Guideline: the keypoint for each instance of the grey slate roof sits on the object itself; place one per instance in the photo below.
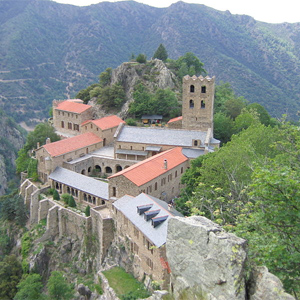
(128, 206)
(192, 153)
(81, 182)
(160, 136)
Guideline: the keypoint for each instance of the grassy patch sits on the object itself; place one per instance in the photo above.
(125, 285)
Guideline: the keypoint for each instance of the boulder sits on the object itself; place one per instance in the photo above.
(265, 286)
(205, 260)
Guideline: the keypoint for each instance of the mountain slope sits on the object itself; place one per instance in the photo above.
(50, 50)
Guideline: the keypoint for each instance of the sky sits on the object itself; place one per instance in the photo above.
(270, 11)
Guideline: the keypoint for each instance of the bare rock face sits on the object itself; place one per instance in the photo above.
(265, 286)
(205, 261)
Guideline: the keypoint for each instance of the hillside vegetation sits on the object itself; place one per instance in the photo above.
(50, 50)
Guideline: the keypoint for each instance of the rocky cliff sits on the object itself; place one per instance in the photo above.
(208, 263)
(11, 140)
(154, 75)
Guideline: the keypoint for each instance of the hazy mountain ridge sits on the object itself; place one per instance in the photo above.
(50, 50)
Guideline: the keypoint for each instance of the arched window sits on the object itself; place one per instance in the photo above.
(202, 104)
(203, 89)
(83, 172)
(89, 169)
(155, 186)
(114, 191)
(62, 124)
(108, 170)
(195, 143)
(192, 88)
(98, 168)
(118, 168)
(191, 103)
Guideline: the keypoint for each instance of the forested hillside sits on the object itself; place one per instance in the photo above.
(50, 50)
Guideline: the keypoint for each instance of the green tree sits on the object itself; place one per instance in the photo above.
(141, 58)
(164, 102)
(112, 96)
(39, 135)
(193, 64)
(234, 106)
(142, 101)
(84, 94)
(161, 53)
(72, 202)
(58, 287)
(30, 288)
(32, 171)
(56, 195)
(88, 211)
(22, 161)
(223, 127)
(10, 275)
(105, 77)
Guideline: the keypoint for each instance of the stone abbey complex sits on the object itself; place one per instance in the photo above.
(129, 176)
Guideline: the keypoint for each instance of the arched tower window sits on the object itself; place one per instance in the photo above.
(203, 89)
(192, 104)
(202, 104)
(192, 88)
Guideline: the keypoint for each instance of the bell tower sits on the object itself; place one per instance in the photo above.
(198, 102)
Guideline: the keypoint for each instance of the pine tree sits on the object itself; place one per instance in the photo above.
(161, 53)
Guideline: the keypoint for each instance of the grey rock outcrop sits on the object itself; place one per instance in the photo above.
(205, 260)
(154, 74)
(265, 286)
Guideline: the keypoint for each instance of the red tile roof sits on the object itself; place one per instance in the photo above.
(153, 167)
(106, 122)
(175, 119)
(72, 144)
(72, 106)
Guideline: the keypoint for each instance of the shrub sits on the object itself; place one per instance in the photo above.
(72, 202)
(130, 122)
(56, 195)
(88, 211)
(141, 58)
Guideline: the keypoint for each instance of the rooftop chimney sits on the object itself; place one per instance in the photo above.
(165, 164)
(48, 141)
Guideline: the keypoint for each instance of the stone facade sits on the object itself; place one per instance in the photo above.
(47, 162)
(165, 187)
(147, 259)
(68, 121)
(198, 102)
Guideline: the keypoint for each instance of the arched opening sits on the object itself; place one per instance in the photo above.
(192, 88)
(108, 170)
(62, 124)
(195, 143)
(94, 200)
(104, 142)
(155, 186)
(114, 191)
(84, 197)
(192, 104)
(89, 198)
(83, 172)
(203, 89)
(68, 190)
(202, 104)
(89, 169)
(98, 168)
(103, 202)
(118, 168)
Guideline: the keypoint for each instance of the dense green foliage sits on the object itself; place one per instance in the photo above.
(250, 187)
(30, 288)
(87, 211)
(161, 53)
(10, 275)
(12, 208)
(163, 102)
(141, 58)
(38, 136)
(58, 287)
